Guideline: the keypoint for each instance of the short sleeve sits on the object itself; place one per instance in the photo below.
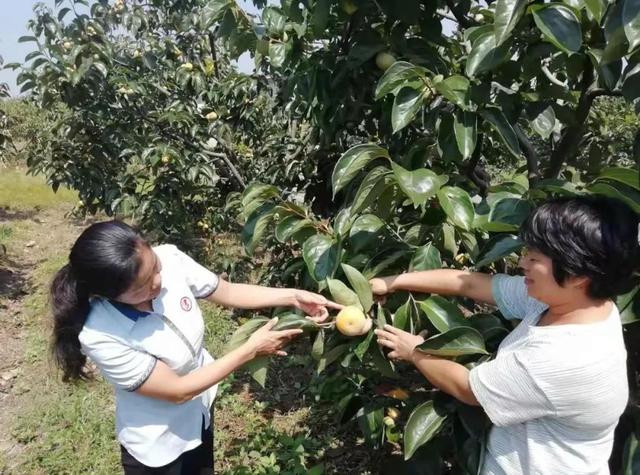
(510, 294)
(200, 280)
(123, 366)
(508, 391)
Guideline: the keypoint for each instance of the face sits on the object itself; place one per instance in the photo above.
(538, 275)
(148, 283)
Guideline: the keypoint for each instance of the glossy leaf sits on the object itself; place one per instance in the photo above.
(423, 424)
(455, 89)
(559, 25)
(485, 55)
(361, 286)
(464, 127)
(321, 254)
(406, 105)
(352, 162)
(396, 77)
(426, 257)
(443, 314)
(455, 342)
(507, 16)
(457, 204)
(343, 294)
(499, 122)
(419, 185)
(496, 248)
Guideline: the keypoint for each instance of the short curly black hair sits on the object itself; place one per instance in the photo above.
(588, 235)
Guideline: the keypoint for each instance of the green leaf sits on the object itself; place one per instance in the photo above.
(360, 284)
(321, 254)
(616, 43)
(447, 142)
(405, 107)
(559, 25)
(457, 204)
(419, 185)
(242, 334)
(362, 347)
(496, 118)
(485, 55)
(508, 214)
(596, 8)
(352, 162)
(465, 129)
(289, 226)
(443, 314)
(25, 39)
(370, 188)
(627, 176)
(370, 423)
(320, 17)
(496, 248)
(381, 319)
(506, 17)
(455, 89)
(426, 258)
(631, 22)
(456, 342)
(365, 231)
(544, 122)
(277, 53)
(343, 294)
(423, 424)
(259, 191)
(343, 221)
(630, 83)
(318, 346)
(631, 456)
(256, 226)
(330, 356)
(258, 369)
(384, 366)
(293, 321)
(620, 191)
(396, 77)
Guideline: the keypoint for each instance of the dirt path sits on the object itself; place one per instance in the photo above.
(35, 237)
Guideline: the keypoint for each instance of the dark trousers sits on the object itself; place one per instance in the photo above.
(198, 461)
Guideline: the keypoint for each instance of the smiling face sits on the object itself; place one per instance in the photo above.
(148, 282)
(541, 283)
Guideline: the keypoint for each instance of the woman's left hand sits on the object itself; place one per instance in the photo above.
(400, 342)
(314, 305)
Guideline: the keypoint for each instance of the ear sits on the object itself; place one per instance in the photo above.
(578, 282)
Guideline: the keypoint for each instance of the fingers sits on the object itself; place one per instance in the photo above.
(270, 324)
(387, 343)
(288, 333)
(392, 329)
(334, 305)
(281, 353)
(383, 334)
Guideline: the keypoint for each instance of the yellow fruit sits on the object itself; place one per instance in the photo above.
(393, 412)
(80, 203)
(211, 116)
(349, 7)
(384, 60)
(351, 321)
(187, 67)
(67, 45)
(91, 31)
(479, 17)
(397, 393)
(389, 422)
(166, 159)
(137, 53)
(285, 37)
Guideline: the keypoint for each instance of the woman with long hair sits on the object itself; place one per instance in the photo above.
(131, 308)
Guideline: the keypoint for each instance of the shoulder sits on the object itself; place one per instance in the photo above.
(103, 324)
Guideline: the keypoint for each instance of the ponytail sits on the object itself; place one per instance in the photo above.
(104, 261)
(70, 306)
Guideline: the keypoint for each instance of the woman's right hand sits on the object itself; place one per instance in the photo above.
(380, 286)
(265, 341)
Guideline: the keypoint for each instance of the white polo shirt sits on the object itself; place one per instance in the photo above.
(125, 346)
(554, 393)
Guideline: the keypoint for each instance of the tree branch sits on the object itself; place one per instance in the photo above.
(475, 173)
(464, 21)
(212, 45)
(533, 174)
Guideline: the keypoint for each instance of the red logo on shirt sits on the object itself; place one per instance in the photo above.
(185, 304)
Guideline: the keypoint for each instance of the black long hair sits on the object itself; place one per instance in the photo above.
(104, 261)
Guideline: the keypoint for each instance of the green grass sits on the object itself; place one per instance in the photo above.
(19, 191)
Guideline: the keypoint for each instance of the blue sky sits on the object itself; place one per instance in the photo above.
(14, 15)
